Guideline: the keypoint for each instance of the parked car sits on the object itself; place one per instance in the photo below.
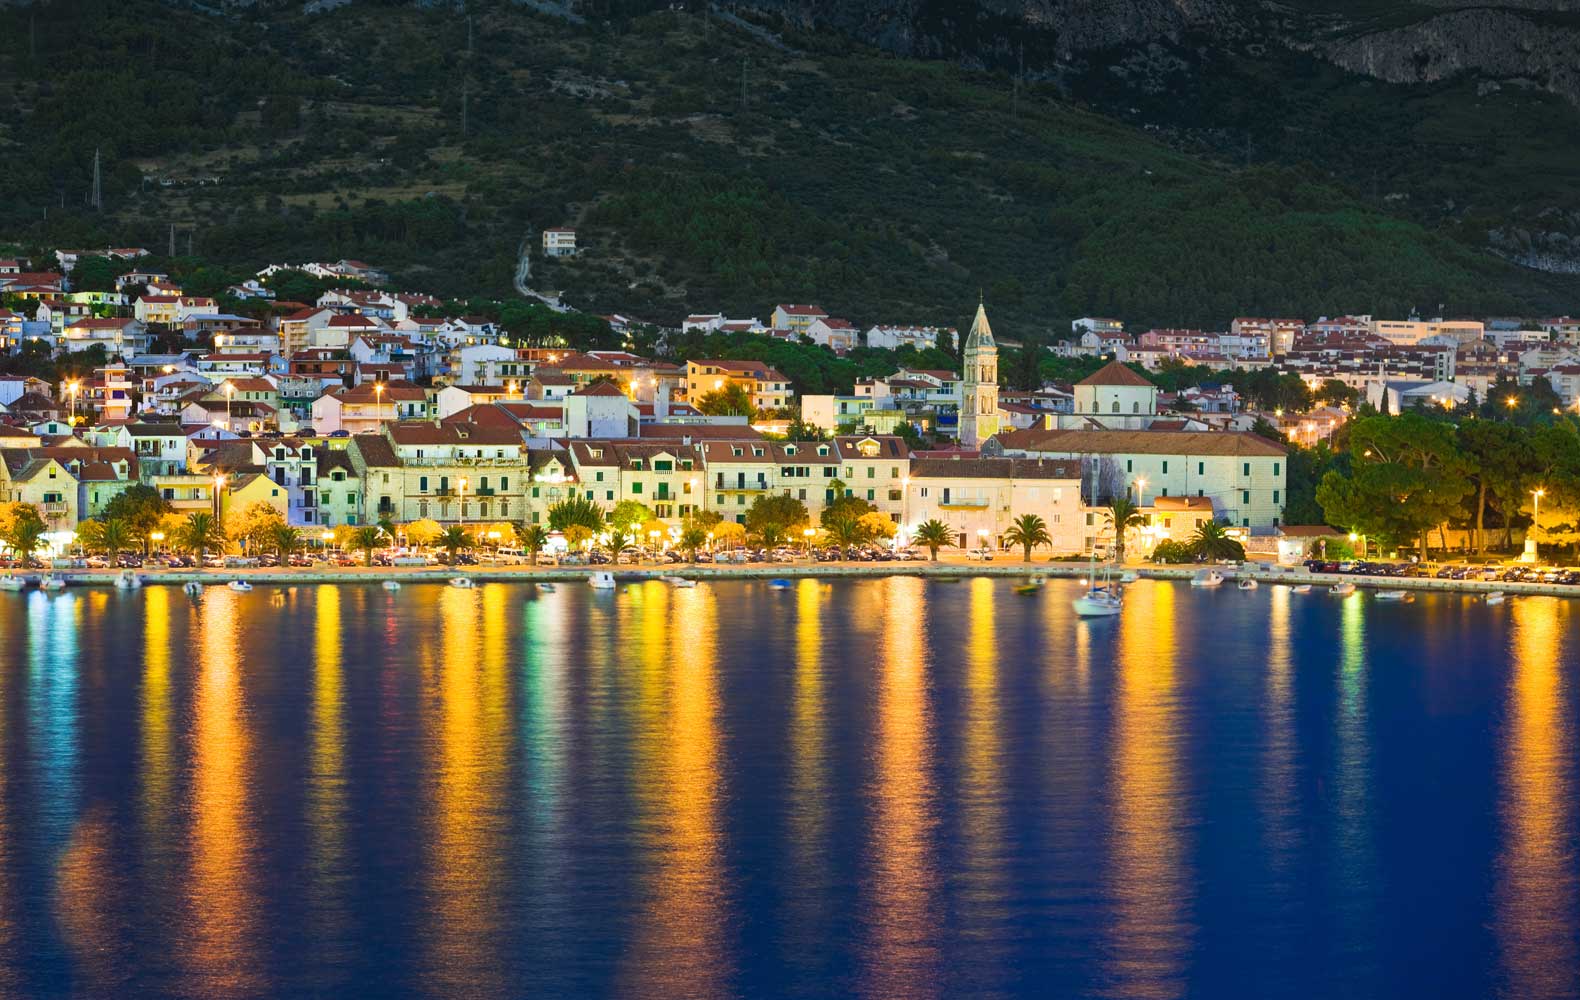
(981, 554)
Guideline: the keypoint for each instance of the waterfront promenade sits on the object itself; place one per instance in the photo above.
(945, 568)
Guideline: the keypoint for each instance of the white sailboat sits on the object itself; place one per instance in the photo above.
(1099, 601)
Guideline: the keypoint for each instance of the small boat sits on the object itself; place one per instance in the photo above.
(1032, 586)
(1129, 576)
(545, 587)
(1246, 583)
(1207, 578)
(391, 584)
(1099, 602)
(946, 579)
(779, 583)
(50, 582)
(1394, 595)
(1494, 597)
(463, 582)
(127, 580)
(239, 586)
(1343, 589)
(1301, 588)
(601, 580)
(679, 581)
(192, 588)
(12, 582)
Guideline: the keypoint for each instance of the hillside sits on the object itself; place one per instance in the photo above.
(705, 165)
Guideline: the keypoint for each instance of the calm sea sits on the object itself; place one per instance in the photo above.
(884, 788)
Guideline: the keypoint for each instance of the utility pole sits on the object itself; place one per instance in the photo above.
(172, 252)
(98, 191)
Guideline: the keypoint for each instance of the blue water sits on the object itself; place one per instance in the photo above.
(866, 788)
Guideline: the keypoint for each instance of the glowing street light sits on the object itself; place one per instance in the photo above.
(463, 500)
(378, 402)
(1536, 515)
(809, 533)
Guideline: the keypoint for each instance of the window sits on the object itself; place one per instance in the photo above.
(1116, 406)
(351, 499)
(599, 477)
(1201, 468)
(1275, 496)
(504, 483)
(1245, 496)
(636, 489)
(1135, 407)
(1129, 465)
(422, 484)
(1165, 467)
(1275, 468)
(1247, 470)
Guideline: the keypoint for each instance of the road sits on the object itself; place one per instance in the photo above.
(524, 274)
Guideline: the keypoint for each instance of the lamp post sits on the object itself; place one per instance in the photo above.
(230, 392)
(809, 533)
(1536, 521)
(463, 501)
(982, 536)
(378, 402)
(325, 537)
(71, 388)
(1141, 491)
(154, 538)
(1355, 537)
(219, 484)
(652, 540)
(710, 543)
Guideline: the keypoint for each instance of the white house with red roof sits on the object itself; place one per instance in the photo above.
(124, 337)
(839, 335)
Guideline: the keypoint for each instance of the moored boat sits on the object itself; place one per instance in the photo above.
(1495, 597)
(1099, 602)
(1394, 595)
(13, 582)
(1129, 576)
(1246, 583)
(192, 588)
(1207, 578)
(1342, 589)
(545, 587)
(239, 586)
(601, 580)
(779, 583)
(462, 582)
(51, 582)
(679, 581)
(127, 580)
(1301, 588)
(391, 584)
(1031, 586)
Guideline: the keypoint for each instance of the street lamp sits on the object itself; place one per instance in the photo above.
(154, 538)
(219, 484)
(809, 533)
(72, 387)
(230, 391)
(982, 536)
(1536, 518)
(710, 542)
(1354, 537)
(378, 402)
(1141, 489)
(463, 500)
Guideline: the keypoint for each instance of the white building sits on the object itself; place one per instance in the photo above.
(979, 498)
(979, 416)
(559, 242)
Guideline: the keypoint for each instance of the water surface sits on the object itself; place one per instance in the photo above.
(879, 788)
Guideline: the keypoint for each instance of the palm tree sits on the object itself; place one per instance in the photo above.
(114, 536)
(1212, 541)
(846, 530)
(616, 541)
(286, 541)
(1028, 531)
(368, 539)
(934, 534)
(199, 533)
(453, 540)
(534, 537)
(576, 510)
(1123, 515)
(692, 538)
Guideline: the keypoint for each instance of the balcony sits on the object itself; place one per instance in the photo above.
(965, 503)
(483, 491)
(56, 508)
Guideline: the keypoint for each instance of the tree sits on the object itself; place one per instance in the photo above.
(534, 538)
(876, 525)
(731, 399)
(454, 540)
(692, 538)
(423, 532)
(1122, 515)
(629, 516)
(285, 540)
(22, 528)
(1407, 477)
(1212, 541)
(255, 525)
(1028, 531)
(368, 539)
(934, 534)
(799, 430)
(1498, 458)
(201, 532)
(771, 518)
(90, 535)
(576, 534)
(140, 508)
(727, 534)
(1170, 551)
(576, 511)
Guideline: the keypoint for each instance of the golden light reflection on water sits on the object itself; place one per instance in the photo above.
(1279, 808)
(1352, 777)
(808, 856)
(469, 795)
(680, 949)
(901, 952)
(223, 928)
(1538, 895)
(326, 783)
(158, 764)
(86, 905)
(982, 771)
(1150, 937)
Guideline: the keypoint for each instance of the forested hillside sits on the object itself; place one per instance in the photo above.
(703, 165)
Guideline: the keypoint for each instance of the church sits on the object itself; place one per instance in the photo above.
(979, 414)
